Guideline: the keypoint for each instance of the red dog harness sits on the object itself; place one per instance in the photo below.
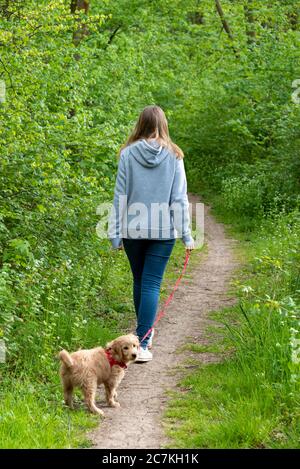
(113, 362)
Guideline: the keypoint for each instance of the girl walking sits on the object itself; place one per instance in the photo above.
(150, 210)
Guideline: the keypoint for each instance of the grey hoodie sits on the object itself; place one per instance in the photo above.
(150, 199)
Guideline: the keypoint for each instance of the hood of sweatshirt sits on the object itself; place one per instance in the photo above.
(149, 154)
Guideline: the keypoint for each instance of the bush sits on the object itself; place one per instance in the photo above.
(258, 190)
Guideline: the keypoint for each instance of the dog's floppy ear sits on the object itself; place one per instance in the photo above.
(108, 346)
(116, 348)
(134, 338)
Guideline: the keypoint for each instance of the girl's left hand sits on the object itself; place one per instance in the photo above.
(190, 247)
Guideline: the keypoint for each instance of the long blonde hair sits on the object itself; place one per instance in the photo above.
(152, 123)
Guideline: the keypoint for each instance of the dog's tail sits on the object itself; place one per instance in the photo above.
(66, 358)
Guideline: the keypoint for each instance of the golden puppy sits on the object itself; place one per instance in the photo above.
(87, 369)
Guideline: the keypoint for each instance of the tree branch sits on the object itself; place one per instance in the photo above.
(223, 19)
(225, 24)
(111, 37)
(8, 73)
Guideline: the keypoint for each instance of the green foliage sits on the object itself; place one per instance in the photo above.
(255, 191)
(241, 120)
(67, 110)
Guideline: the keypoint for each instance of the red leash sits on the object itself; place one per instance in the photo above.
(170, 297)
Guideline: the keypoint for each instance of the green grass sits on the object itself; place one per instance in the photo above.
(33, 416)
(32, 413)
(226, 409)
(251, 399)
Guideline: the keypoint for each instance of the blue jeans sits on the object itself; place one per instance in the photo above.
(148, 259)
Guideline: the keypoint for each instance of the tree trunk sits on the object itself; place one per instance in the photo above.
(4, 4)
(82, 30)
(250, 28)
(294, 20)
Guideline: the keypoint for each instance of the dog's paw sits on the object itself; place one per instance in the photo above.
(99, 412)
(115, 404)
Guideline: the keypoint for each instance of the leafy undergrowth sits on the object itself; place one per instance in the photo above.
(251, 398)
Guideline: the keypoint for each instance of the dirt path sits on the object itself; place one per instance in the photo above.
(142, 394)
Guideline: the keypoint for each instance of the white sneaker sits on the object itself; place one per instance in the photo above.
(144, 355)
(151, 339)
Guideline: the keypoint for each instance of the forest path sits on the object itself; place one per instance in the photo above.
(142, 393)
